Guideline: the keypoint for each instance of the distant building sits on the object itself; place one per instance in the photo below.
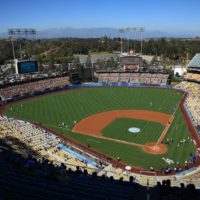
(193, 69)
(179, 70)
(194, 64)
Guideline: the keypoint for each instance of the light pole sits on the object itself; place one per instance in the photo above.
(92, 70)
(13, 50)
(141, 31)
(121, 31)
(133, 30)
(128, 31)
(20, 32)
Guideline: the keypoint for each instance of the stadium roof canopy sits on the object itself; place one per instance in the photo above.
(195, 63)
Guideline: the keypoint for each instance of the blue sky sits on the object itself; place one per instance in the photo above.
(165, 15)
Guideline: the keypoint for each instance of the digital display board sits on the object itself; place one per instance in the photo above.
(131, 60)
(27, 67)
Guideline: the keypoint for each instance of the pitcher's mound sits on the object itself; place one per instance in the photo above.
(154, 148)
(134, 130)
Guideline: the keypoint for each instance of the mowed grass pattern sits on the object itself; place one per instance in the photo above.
(77, 104)
(149, 131)
(80, 103)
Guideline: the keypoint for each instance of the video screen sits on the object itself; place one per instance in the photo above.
(27, 67)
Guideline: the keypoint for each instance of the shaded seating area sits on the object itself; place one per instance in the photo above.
(26, 177)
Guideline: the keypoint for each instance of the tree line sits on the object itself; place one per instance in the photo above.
(62, 50)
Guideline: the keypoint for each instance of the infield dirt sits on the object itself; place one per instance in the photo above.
(93, 125)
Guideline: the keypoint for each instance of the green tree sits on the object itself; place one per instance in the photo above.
(154, 60)
(111, 63)
(100, 63)
(2, 59)
(51, 65)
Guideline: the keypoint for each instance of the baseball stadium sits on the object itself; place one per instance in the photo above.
(91, 132)
(124, 126)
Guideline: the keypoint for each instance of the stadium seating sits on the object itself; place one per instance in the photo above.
(137, 78)
(39, 182)
(30, 87)
(34, 167)
(43, 142)
(27, 177)
(192, 102)
(192, 76)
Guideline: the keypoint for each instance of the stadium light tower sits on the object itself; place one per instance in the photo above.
(128, 30)
(21, 32)
(17, 33)
(133, 30)
(140, 30)
(25, 65)
(121, 30)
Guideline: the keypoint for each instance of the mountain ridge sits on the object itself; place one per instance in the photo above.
(101, 32)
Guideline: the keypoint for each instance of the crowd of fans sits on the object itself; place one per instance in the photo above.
(136, 78)
(192, 76)
(34, 171)
(30, 87)
(41, 141)
(38, 156)
(192, 103)
(22, 173)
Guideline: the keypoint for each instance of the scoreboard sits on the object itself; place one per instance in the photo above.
(26, 66)
(131, 60)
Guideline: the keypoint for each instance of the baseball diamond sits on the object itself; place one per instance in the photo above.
(100, 117)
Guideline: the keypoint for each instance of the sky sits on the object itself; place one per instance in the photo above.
(173, 16)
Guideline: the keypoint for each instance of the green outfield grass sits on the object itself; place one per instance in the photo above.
(149, 131)
(77, 104)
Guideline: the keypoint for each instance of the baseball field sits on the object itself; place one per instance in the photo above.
(144, 127)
